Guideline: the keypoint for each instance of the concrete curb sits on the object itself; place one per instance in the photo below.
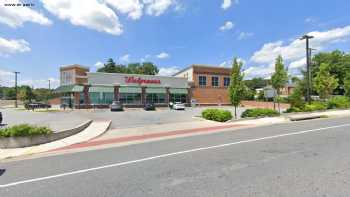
(21, 142)
(96, 128)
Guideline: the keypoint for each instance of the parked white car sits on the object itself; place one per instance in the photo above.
(178, 106)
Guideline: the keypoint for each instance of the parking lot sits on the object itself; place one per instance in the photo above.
(126, 119)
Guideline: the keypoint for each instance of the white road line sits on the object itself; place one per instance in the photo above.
(166, 155)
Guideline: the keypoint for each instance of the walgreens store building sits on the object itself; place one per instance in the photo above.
(80, 88)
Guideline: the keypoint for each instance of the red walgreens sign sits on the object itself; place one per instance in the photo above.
(139, 80)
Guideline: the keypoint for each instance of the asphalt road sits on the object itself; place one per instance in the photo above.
(310, 158)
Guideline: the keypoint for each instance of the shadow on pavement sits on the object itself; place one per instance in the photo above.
(2, 171)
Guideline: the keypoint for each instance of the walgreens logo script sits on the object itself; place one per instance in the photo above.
(139, 80)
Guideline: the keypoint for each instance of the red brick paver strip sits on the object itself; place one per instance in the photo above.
(146, 136)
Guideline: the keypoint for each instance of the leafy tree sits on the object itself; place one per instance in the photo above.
(339, 65)
(146, 68)
(25, 93)
(9, 93)
(237, 87)
(296, 99)
(112, 67)
(325, 83)
(256, 83)
(43, 94)
(279, 78)
(249, 94)
(347, 84)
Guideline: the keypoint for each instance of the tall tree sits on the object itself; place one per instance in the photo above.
(237, 87)
(325, 83)
(279, 78)
(111, 67)
(347, 83)
(145, 68)
(148, 68)
(339, 65)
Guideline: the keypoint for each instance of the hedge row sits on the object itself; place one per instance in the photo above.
(24, 130)
(338, 102)
(217, 115)
(255, 113)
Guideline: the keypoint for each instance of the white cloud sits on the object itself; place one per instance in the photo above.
(125, 58)
(6, 78)
(296, 49)
(293, 52)
(99, 64)
(228, 3)
(228, 63)
(168, 71)
(163, 55)
(40, 83)
(157, 7)
(310, 20)
(133, 8)
(16, 16)
(87, 13)
(227, 26)
(298, 64)
(9, 47)
(245, 35)
(259, 71)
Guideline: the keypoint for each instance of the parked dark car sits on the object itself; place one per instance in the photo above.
(149, 107)
(117, 106)
(37, 105)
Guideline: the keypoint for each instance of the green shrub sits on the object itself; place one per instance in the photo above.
(24, 130)
(294, 109)
(217, 115)
(259, 113)
(315, 106)
(339, 102)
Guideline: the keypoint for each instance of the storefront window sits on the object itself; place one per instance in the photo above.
(101, 98)
(155, 98)
(81, 98)
(178, 98)
(130, 98)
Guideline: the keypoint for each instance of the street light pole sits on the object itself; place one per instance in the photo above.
(308, 70)
(16, 89)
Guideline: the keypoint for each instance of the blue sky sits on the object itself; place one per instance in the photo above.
(173, 34)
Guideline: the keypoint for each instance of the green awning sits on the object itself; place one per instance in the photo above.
(101, 89)
(156, 90)
(130, 90)
(178, 91)
(69, 88)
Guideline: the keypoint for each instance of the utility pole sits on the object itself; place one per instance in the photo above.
(16, 89)
(49, 84)
(308, 70)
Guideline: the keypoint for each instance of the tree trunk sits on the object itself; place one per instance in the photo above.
(278, 102)
(235, 112)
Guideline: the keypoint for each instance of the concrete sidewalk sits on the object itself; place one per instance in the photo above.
(94, 130)
(122, 137)
(127, 136)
